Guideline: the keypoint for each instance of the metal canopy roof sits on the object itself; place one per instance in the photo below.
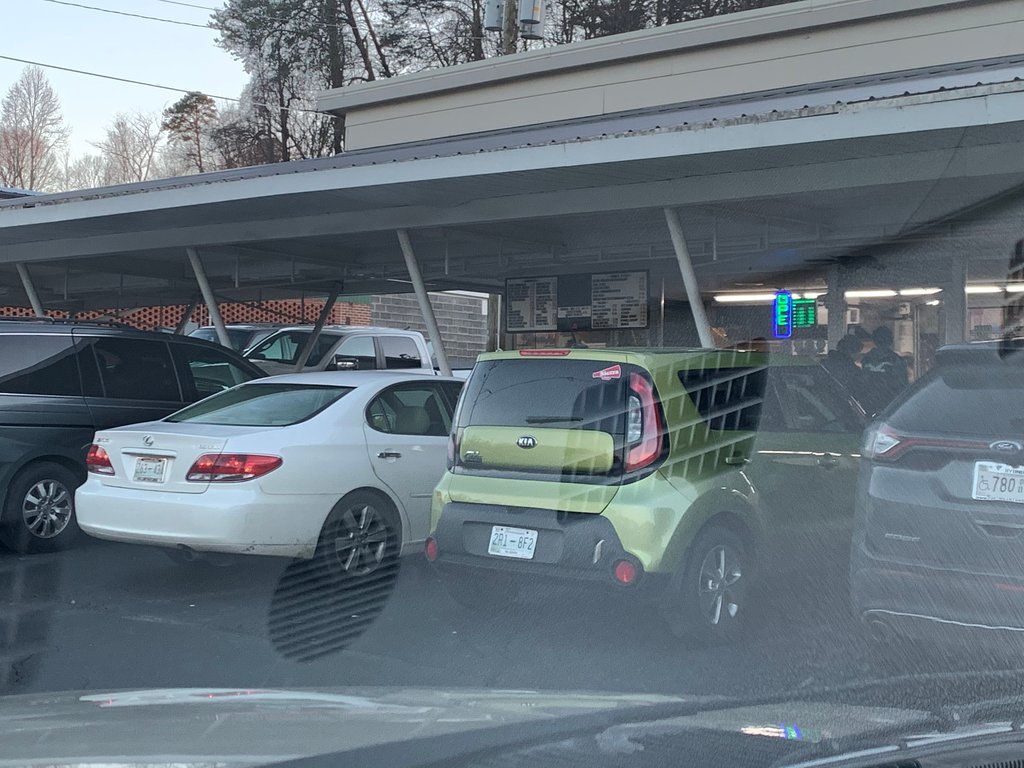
(763, 186)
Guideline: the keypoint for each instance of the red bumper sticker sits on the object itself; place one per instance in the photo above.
(607, 374)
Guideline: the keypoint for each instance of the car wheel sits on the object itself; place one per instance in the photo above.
(39, 513)
(708, 601)
(361, 536)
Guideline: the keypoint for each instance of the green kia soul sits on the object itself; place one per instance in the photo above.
(682, 474)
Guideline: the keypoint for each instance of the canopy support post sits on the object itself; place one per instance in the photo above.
(321, 321)
(208, 297)
(424, 300)
(30, 290)
(179, 329)
(700, 317)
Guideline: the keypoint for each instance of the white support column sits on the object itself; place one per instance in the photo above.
(179, 329)
(30, 290)
(208, 297)
(318, 328)
(700, 317)
(424, 300)
(954, 302)
(835, 302)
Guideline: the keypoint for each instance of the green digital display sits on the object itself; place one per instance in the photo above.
(805, 313)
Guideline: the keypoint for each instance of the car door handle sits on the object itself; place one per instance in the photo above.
(737, 459)
(828, 462)
(389, 455)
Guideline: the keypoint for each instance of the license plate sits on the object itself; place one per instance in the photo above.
(512, 542)
(149, 470)
(998, 482)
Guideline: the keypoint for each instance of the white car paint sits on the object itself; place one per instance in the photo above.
(281, 513)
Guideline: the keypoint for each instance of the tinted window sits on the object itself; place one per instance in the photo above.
(556, 393)
(38, 365)
(810, 401)
(136, 369)
(237, 336)
(400, 352)
(362, 349)
(262, 405)
(207, 371)
(977, 400)
(285, 348)
(410, 410)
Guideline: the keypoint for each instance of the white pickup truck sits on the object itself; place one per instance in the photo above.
(343, 348)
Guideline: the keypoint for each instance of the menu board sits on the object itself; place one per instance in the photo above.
(618, 300)
(601, 301)
(532, 304)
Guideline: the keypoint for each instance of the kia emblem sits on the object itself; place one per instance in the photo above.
(1006, 446)
(527, 441)
(147, 440)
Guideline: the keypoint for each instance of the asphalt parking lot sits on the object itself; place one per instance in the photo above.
(109, 616)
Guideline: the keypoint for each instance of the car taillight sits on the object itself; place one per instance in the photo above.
(231, 467)
(97, 461)
(430, 549)
(644, 429)
(883, 443)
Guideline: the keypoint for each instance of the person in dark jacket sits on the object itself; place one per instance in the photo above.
(841, 362)
(885, 373)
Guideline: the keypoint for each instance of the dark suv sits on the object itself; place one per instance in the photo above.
(939, 537)
(59, 383)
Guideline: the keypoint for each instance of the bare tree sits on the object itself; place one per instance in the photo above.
(131, 146)
(32, 133)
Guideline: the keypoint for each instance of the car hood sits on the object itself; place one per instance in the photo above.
(192, 727)
(238, 727)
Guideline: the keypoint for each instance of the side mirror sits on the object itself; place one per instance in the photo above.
(342, 363)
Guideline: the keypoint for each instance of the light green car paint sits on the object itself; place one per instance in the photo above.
(780, 486)
(569, 449)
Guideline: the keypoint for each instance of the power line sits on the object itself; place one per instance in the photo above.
(132, 15)
(269, 18)
(157, 85)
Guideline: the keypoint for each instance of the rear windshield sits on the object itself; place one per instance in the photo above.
(262, 405)
(236, 336)
(561, 394)
(976, 400)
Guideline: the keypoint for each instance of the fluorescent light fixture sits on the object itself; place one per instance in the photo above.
(919, 291)
(881, 293)
(933, 303)
(744, 298)
(1015, 288)
(811, 294)
(983, 289)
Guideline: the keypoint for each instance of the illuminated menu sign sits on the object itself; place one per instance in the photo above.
(782, 315)
(805, 313)
(532, 304)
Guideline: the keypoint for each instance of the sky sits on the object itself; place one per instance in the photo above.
(168, 54)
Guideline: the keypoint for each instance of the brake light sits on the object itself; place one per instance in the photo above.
(430, 549)
(644, 428)
(543, 352)
(231, 467)
(883, 443)
(97, 461)
(454, 438)
(625, 572)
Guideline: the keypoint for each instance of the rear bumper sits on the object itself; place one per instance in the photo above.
(572, 548)
(933, 603)
(236, 519)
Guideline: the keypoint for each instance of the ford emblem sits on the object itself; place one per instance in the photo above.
(1006, 446)
(527, 441)
(147, 440)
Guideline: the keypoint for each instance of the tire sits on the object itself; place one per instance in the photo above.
(39, 512)
(708, 601)
(361, 537)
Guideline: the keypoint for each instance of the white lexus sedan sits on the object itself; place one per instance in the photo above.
(340, 464)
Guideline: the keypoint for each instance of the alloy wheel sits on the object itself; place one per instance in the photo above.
(360, 540)
(719, 589)
(47, 508)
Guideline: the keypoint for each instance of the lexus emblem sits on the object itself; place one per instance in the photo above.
(147, 440)
(527, 441)
(1006, 446)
